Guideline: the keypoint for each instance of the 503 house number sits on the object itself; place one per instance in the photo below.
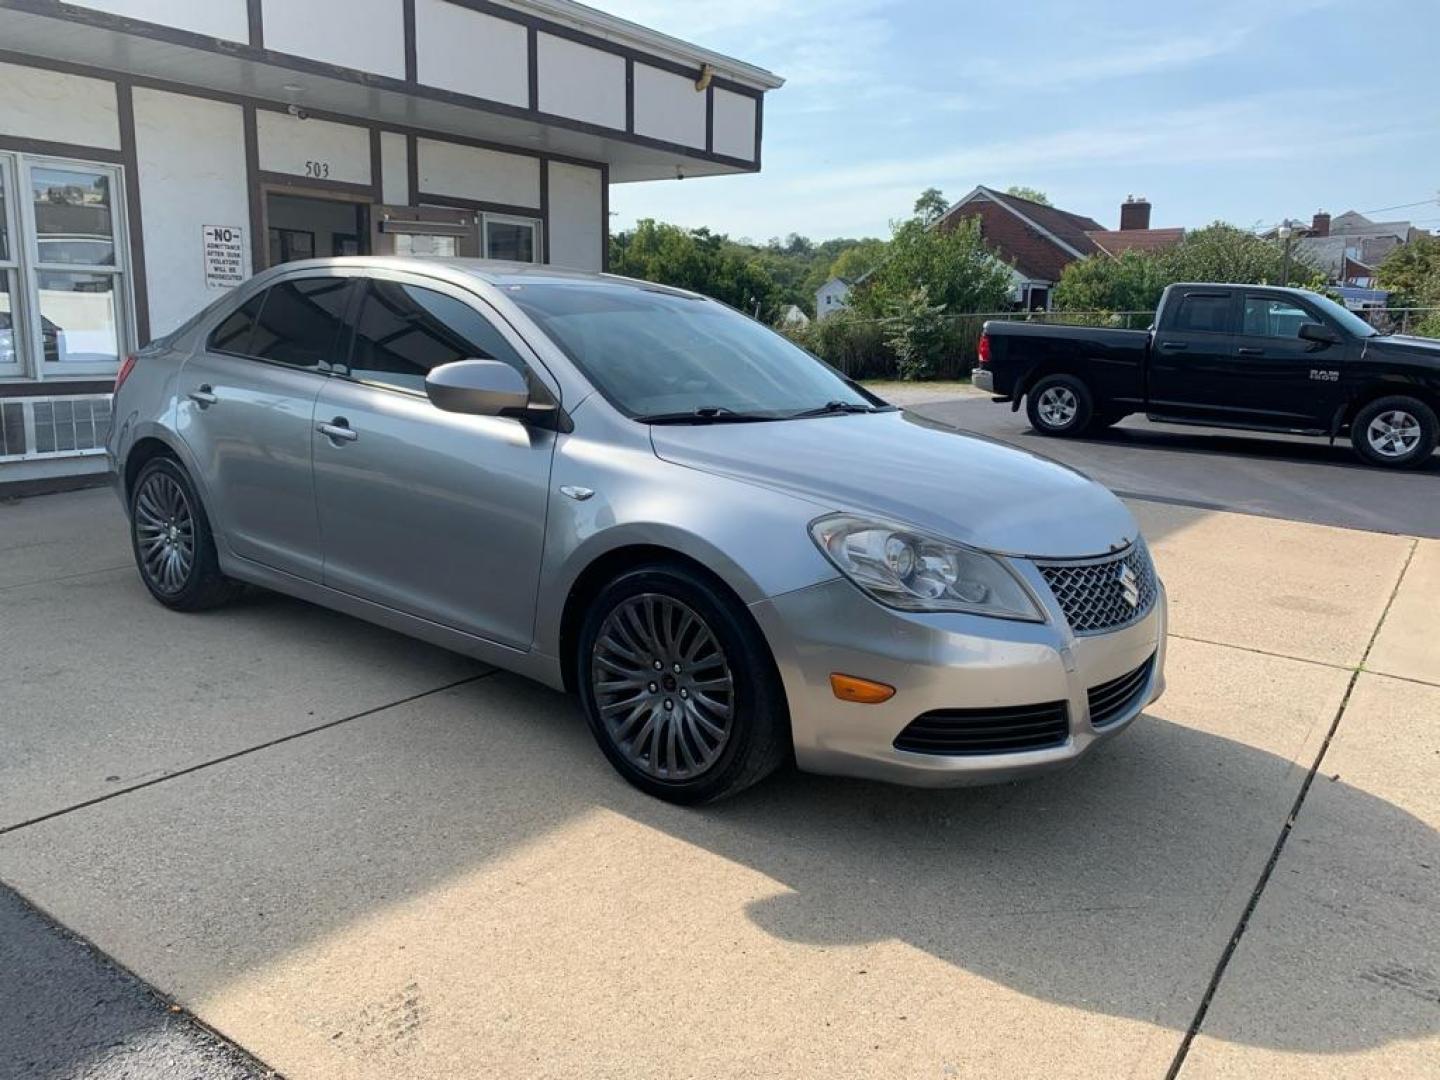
(319, 170)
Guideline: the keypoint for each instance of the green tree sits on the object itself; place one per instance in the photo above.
(958, 276)
(1411, 273)
(917, 331)
(856, 261)
(931, 206)
(1133, 281)
(1035, 195)
(952, 264)
(1218, 252)
(699, 260)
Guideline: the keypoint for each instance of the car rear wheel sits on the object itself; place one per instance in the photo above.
(171, 538)
(678, 686)
(1060, 405)
(1395, 432)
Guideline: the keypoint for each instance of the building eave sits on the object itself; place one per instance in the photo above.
(625, 32)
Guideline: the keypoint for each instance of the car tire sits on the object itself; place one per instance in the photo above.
(1060, 405)
(1395, 432)
(712, 719)
(171, 538)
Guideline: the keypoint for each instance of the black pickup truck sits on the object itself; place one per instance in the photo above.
(1239, 356)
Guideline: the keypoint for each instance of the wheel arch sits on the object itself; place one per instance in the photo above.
(1374, 391)
(609, 565)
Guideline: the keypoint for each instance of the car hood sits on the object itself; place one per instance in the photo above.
(1415, 348)
(910, 470)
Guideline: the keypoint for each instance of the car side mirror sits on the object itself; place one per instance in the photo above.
(1313, 331)
(479, 388)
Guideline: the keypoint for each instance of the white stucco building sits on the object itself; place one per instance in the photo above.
(153, 153)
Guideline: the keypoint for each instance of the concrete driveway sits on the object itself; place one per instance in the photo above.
(358, 856)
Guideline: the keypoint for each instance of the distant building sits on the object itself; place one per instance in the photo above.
(1039, 241)
(831, 297)
(1349, 248)
(792, 318)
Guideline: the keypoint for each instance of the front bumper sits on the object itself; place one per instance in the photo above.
(944, 661)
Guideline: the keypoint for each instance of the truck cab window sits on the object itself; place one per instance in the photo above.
(1266, 317)
(1203, 314)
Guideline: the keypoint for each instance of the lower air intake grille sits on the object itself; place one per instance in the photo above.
(1111, 700)
(986, 731)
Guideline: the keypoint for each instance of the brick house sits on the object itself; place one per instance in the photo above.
(1039, 241)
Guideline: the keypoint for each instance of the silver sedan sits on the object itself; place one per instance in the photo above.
(733, 555)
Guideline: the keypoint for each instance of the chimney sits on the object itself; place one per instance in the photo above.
(1134, 213)
(1320, 224)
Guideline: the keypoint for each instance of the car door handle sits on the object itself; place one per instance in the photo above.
(338, 430)
(1246, 350)
(1174, 346)
(203, 395)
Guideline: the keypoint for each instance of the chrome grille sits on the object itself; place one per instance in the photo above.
(1092, 592)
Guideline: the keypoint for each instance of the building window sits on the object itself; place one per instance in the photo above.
(10, 348)
(513, 239)
(64, 306)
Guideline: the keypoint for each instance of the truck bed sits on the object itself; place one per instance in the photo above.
(1113, 359)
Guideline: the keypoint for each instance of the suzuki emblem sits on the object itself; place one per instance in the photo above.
(1129, 585)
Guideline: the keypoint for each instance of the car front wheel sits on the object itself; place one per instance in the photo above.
(678, 686)
(1395, 432)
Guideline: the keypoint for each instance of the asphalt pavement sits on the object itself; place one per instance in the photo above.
(1291, 477)
(68, 1013)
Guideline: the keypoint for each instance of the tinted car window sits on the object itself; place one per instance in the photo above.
(1266, 317)
(233, 335)
(649, 350)
(403, 331)
(300, 321)
(1203, 315)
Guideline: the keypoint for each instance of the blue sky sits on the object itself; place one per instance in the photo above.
(1242, 110)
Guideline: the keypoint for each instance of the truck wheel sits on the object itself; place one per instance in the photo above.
(1395, 432)
(1060, 405)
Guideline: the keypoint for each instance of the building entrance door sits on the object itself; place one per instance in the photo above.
(314, 226)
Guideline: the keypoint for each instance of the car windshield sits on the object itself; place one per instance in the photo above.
(1347, 319)
(657, 353)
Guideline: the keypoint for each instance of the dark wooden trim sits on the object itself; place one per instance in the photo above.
(311, 183)
(759, 130)
(254, 11)
(532, 53)
(710, 119)
(605, 217)
(629, 96)
(377, 166)
(545, 211)
(53, 387)
(57, 149)
(85, 16)
(430, 198)
(412, 168)
(139, 287)
(412, 55)
(259, 245)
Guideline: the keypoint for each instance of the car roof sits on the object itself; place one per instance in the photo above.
(1240, 285)
(491, 271)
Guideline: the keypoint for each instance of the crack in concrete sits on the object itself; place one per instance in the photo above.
(5, 830)
(1285, 830)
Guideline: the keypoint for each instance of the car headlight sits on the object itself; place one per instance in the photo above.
(904, 568)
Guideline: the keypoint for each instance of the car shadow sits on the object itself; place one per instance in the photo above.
(1111, 888)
